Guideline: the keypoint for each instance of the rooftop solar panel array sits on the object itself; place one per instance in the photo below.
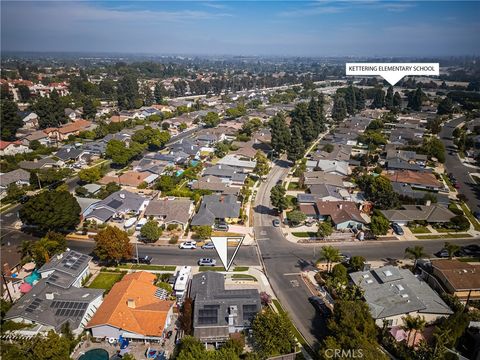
(33, 305)
(69, 308)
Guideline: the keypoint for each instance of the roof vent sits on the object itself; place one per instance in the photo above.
(369, 281)
(387, 273)
(122, 196)
(131, 303)
(404, 296)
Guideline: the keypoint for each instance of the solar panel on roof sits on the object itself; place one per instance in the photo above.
(114, 204)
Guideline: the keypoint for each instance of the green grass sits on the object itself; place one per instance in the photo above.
(419, 230)
(293, 186)
(244, 276)
(304, 234)
(240, 268)
(105, 280)
(148, 267)
(211, 268)
(445, 236)
(470, 216)
(469, 259)
(449, 183)
(445, 230)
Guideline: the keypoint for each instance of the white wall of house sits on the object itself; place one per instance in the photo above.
(398, 321)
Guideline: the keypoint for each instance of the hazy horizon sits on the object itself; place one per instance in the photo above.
(367, 28)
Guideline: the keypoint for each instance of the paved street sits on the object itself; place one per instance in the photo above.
(460, 171)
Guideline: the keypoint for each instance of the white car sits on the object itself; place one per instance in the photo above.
(188, 245)
(209, 245)
(207, 262)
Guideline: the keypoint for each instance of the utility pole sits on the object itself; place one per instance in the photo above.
(6, 286)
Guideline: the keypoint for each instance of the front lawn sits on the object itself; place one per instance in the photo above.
(106, 280)
(449, 183)
(419, 230)
(445, 236)
(305, 234)
(211, 268)
(470, 216)
(244, 277)
(293, 186)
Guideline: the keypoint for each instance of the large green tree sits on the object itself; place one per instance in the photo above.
(90, 175)
(379, 190)
(280, 134)
(296, 149)
(415, 99)
(153, 138)
(211, 120)
(261, 167)
(112, 243)
(278, 197)
(151, 231)
(330, 255)
(339, 110)
(11, 121)
(51, 210)
(379, 225)
(127, 92)
(89, 109)
(272, 334)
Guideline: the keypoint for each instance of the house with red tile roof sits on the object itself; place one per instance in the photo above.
(134, 308)
(12, 148)
(73, 128)
(416, 179)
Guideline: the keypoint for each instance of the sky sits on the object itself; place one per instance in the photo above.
(291, 28)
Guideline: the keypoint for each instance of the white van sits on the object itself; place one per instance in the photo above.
(142, 222)
(129, 223)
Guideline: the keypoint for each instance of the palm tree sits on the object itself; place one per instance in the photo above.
(330, 254)
(26, 248)
(451, 249)
(415, 324)
(415, 253)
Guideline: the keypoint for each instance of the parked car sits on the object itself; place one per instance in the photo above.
(188, 245)
(442, 253)
(319, 305)
(470, 250)
(345, 257)
(24, 199)
(207, 262)
(141, 259)
(140, 224)
(209, 245)
(276, 223)
(221, 227)
(456, 186)
(476, 214)
(397, 229)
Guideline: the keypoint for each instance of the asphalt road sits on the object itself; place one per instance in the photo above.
(460, 171)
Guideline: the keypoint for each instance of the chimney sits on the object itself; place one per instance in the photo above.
(131, 303)
(59, 256)
(340, 206)
(232, 315)
(49, 295)
(428, 202)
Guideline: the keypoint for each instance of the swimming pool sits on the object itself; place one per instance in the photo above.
(95, 354)
(179, 172)
(34, 276)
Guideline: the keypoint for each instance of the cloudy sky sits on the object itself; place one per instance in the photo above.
(320, 28)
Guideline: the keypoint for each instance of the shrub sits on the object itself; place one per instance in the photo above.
(173, 239)
(171, 227)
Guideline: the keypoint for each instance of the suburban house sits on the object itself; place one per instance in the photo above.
(12, 148)
(227, 174)
(391, 293)
(18, 177)
(455, 277)
(11, 265)
(320, 177)
(409, 213)
(217, 207)
(73, 114)
(38, 135)
(323, 192)
(30, 120)
(219, 312)
(170, 211)
(130, 178)
(406, 191)
(70, 153)
(340, 168)
(343, 214)
(338, 153)
(43, 163)
(118, 206)
(245, 166)
(73, 128)
(135, 309)
(248, 150)
(420, 180)
(57, 297)
(216, 185)
(405, 136)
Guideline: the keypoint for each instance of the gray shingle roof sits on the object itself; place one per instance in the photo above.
(216, 207)
(14, 176)
(177, 210)
(120, 201)
(432, 213)
(391, 291)
(70, 262)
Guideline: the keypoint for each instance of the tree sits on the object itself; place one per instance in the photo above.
(24, 92)
(296, 149)
(159, 92)
(121, 154)
(14, 193)
(460, 223)
(325, 229)
(51, 347)
(434, 147)
(379, 225)
(356, 263)
(330, 255)
(434, 125)
(165, 183)
(261, 167)
(413, 323)
(211, 120)
(51, 244)
(11, 121)
(350, 100)
(451, 249)
(51, 210)
(339, 110)
(153, 138)
(202, 231)
(445, 107)
(280, 133)
(416, 252)
(397, 101)
(296, 217)
(339, 273)
(278, 198)
(186, 316)
(415, 99)
(90, 175)
(389, 98)
(378, 99)
(222, 148)
(112, 243)
(151, 231)
(89, 109)
(272, 334)
(379, 190)
(127, 92)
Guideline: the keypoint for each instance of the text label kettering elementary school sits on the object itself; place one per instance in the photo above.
(391, 68)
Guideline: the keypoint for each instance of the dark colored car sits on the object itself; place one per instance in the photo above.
(397, 229)
(470, 250)
(320, 305)
(24, 199)
(476, 214)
